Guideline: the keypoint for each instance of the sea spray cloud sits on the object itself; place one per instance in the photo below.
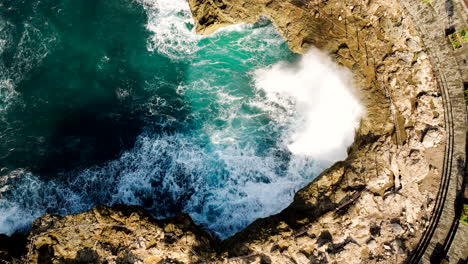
(322, 93)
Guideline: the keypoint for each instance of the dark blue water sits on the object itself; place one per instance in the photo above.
(105, 102)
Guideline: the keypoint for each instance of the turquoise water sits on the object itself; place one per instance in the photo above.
(105, 102)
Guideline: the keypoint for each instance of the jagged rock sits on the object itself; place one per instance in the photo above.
(122, 234)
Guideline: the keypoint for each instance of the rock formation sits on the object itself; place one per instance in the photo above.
(370, 208)
(122, 234)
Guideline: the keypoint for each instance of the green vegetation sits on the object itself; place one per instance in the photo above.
(466, 95)
(458, 38)
(428, 2)
(463, 34)
(455, 40)
(464, 216)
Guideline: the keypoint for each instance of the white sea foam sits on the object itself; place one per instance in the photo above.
(7, 91)
(7, 94)
(173, 28)
(322, 93)
(28, 53)
(224, 188)
(4, 34)
(25, 197)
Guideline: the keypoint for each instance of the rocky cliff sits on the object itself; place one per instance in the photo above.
(122, 234)
(372, 207)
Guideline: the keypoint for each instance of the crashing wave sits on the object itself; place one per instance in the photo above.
(257, 132)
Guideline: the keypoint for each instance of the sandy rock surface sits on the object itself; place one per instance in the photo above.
(122, 234)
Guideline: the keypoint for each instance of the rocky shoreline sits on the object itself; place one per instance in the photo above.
(372, 207)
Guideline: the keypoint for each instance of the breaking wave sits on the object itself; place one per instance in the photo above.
(260, 124)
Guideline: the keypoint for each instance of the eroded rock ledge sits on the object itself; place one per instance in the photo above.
(372, 207)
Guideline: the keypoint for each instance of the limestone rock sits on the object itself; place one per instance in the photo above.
(123, 234)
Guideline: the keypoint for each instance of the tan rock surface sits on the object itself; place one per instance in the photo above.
(122, 234)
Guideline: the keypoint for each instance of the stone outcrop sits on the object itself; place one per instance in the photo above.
(122, 234)
(370, 208)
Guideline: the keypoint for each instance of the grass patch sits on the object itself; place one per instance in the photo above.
(456, 42)
(464, 216)
(463, 34)
(466, 95)
(428, 2)
(458, 38)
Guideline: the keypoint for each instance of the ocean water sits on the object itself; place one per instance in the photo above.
(105, 102)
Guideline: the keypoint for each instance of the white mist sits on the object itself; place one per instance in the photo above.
(322, 94)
